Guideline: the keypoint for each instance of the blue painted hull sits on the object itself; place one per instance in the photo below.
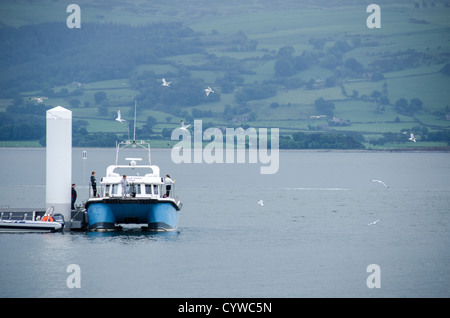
(103, 215)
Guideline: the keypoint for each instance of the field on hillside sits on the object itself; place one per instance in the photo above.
(363, 72)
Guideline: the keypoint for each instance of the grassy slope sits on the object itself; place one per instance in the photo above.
(274, 27)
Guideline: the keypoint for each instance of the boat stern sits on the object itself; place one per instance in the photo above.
(101, 218)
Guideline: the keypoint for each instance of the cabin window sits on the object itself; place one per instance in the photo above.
(138, 189)
(155, 189)
(148, 189)
(114, 188)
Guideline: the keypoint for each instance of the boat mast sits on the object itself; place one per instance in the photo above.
(141, 143)
(134, 135)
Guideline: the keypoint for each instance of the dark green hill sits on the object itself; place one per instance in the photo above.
(301, 66)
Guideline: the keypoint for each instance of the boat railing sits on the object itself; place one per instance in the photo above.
(99, 190)
(31, 215)
(102, 191)
(171, 192)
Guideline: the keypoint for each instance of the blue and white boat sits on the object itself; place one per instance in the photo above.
(143, 201)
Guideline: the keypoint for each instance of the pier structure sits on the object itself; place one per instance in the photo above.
(59, 162)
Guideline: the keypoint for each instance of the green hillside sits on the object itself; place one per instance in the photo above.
(272, 64)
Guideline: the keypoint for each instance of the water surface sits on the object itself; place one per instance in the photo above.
(311, 237)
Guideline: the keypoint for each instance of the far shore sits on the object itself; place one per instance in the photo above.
(418, 149)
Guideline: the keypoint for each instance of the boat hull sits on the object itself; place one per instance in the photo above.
(155, 215)
(29, 226)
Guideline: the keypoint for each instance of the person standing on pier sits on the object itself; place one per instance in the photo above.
(74, 196)
(94, 184)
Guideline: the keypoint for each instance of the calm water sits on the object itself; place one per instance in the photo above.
(311, 237)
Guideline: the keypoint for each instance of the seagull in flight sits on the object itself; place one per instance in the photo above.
(412, 138)
(320, 116)
(165, 83)
(379, 181)
(208, 90)
(53, 116)
(260, 202)
(183, 127)
(374, 222)
(38, 99)
(119, 118)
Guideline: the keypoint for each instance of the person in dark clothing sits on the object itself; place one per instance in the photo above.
(74, 196)
(94, 184)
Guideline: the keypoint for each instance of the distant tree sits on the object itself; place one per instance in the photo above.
(340, 48)
(330, 62)
(384, 100)
(255, 92)
(401, 106)
(324, 107)
(166, 132)
(286, 52)
(354, 65)
(375, 94)
(99, 97)
(415, 105)
(284, 68)
(301, 140)
(75, 102)
(301, 63)
(151, 120)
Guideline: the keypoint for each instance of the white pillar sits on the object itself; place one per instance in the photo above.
(59, 162)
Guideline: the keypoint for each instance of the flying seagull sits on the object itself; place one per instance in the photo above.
(379, 181)
(319, 116)
(165, 83)
(374, 222)
(208, 90)
(412, 137)
(183, 127)
(38, 99)
(53, 116)
(260, 202)
(119, 118)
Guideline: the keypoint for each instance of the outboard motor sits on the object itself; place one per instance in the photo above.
(58, 217)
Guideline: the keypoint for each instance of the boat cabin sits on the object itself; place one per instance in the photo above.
(142, 184)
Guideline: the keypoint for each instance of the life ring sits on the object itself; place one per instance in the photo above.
(47, 218)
